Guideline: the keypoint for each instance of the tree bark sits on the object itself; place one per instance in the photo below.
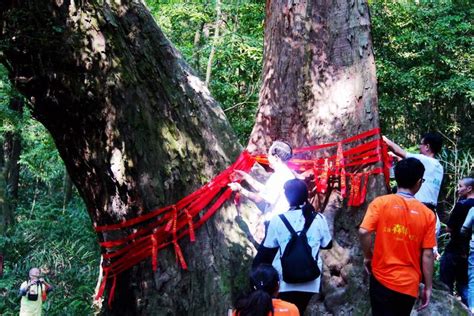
(214, 43)
(137, 130)
(197, 44)
(11, 168)
(67, 190)
(319, 86)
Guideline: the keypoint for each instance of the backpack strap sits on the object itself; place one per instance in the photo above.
(287, 224)
(307, 225)
(290, 228)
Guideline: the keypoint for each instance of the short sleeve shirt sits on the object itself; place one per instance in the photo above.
(274, 194)
(469, 223)
(278, 236)
(281, 308)
(433, 176)
(458, 244)
(403, 227)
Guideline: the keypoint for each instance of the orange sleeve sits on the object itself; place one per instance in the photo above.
(429, 240)
(372, 215)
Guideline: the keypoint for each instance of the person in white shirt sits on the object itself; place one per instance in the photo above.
(299, 214)
(430, 146)
(272, 191)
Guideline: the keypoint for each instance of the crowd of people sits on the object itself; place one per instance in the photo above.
(286, 271)
(400, 257)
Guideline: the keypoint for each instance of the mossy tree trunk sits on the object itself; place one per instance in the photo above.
(137, 130)
(319, 86)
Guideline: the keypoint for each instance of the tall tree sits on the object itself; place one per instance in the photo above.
(137, 130)
(319, 86)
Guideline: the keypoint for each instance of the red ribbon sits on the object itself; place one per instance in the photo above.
(165, 226)
(154, 253)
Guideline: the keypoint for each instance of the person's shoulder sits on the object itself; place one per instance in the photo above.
(320, 217)
(420, 207)
(282, 307)
(275, 220)
(383, 199)
(424, 159)
(287, 172)
(467, 202)
(413, 155)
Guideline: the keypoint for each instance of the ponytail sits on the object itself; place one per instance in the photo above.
(265, 283)
(308, 212)
(257, 303)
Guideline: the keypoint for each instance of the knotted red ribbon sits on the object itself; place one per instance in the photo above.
(165, 226)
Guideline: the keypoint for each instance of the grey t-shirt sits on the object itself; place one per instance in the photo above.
(468, 225)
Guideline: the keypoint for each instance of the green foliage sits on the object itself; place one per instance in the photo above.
(59, 241)
(41, 161)
(237, 63)
(424, 58)
(457, 165)
(63, 244)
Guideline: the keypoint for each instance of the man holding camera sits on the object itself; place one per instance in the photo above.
(33, 293)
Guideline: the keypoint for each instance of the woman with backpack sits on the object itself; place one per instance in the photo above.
(262, 301)
(292, 244)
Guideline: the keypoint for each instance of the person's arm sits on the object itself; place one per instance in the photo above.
(254, 184)
(365, 238)
(397, 150)
(326, 239)
(269, 247)
(49, 287)
(427, 269)
(264, 255)
(467, 226)
(454, 219)
(23, 289)
(236, 187)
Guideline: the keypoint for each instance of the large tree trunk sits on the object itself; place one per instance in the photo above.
(319, 86)
(137, 130)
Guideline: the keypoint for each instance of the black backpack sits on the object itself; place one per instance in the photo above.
(297, 262)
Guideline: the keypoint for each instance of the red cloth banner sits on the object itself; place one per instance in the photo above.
(165, 226)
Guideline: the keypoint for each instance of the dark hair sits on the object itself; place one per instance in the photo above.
(434, 140)
(408, 171)
(264, 280)
(296, 193)
(468, 181)
(282, 150)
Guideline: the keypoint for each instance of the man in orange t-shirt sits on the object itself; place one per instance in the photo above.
(404, 235)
